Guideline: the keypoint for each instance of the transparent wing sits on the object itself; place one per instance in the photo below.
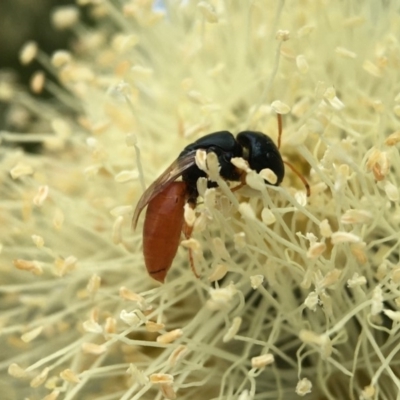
(173, 172)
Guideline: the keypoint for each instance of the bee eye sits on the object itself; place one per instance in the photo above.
(261, 152)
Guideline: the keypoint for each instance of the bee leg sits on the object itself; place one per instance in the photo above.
(187, 231)
(242, 183)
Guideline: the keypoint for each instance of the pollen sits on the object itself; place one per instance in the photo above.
(69, 376)
(117, 230)
(345, 237)
(392, 192)
(170, 337)
(38, 81)
(39, 379)
(346, 53)
(92, 327)
(302, 64)
(61, 58)
(16, 371)
(303, 387)
(92, 348)
(280, 107)
(65, 17)
(31, 335)
(131, 318)
(41, 196)
(30, 266)
(38, 241)
(21, 170)
(178, 355)
(208, 12)
(28, 53)
(126, 176)
(316, 249)
(256, 281)
(219, 272)
(154, 326)
(268, 216)
(221, 298)
(269, 175)
(262, 361)
(356, 217)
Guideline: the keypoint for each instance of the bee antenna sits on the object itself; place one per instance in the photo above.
(301, 177)
(279, 117)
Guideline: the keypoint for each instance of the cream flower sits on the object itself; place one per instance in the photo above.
(297, 296)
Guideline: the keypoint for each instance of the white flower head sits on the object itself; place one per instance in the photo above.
(291, 287)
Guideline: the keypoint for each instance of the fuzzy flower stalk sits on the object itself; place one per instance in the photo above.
(297, 296)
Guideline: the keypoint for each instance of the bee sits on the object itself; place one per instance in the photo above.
(165, 197)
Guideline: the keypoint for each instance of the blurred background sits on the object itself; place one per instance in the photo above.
(24, 20)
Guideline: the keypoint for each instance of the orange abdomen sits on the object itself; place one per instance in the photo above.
(162, 229)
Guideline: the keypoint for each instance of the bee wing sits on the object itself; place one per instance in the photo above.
(173, 172)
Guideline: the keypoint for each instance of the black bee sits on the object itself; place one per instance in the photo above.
(165, 198)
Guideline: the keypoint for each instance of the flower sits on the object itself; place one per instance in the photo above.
(303, 292)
